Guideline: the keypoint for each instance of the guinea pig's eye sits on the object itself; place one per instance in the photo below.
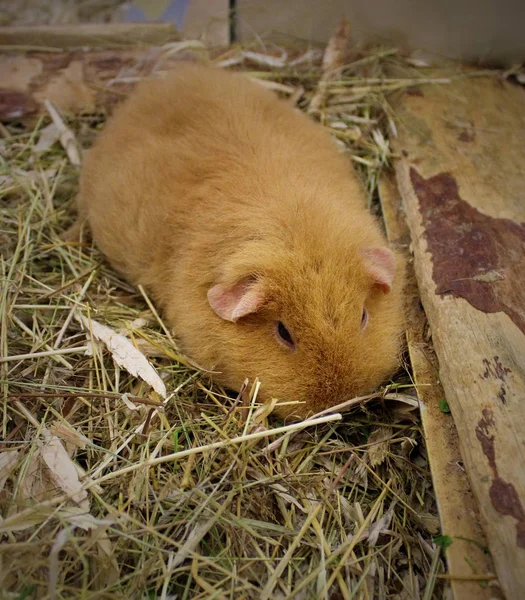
(284, 335)
(364, 318)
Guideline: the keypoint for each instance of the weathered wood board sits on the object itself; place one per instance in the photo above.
(462, 180)
(459, 515)
(76, 81)
(92, 35)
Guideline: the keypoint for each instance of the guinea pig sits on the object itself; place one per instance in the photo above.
(249, 229)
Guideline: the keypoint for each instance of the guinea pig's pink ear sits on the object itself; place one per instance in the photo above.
(236, 301)
(381, 265)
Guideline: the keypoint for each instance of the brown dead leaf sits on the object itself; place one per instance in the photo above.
(48, 136)
(335, 52)
(129, 404)
(36, 483)
(125, 354)
(430, 522)
(380, 526)
(71, 437)
(51, 472)
(403, 406)
(27, 518)
(333, 60)
(379, 441)
(62, 470)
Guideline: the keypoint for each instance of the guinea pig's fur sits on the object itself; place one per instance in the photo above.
(237, 212)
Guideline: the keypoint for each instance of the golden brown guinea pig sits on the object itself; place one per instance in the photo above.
(250, 231)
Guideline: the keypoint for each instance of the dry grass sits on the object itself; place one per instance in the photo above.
(106, 490)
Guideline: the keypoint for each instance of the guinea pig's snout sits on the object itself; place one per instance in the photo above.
(332, 388)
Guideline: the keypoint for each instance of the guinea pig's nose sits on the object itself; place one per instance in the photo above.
(333, 390)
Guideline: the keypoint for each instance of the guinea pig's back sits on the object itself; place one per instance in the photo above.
(197, 150)
(139, 179)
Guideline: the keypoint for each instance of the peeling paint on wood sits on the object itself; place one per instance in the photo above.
(462, 150)
(475, 256)
(458, 513)
(497, 371)
(503, 494)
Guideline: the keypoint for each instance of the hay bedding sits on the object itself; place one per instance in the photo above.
(106, 490)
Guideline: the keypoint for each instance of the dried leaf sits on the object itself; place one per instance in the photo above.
(51, 471)
(35, 484)
(411, 588)
(125, 354)
(380, 444)
(288, 498)
(148, 349)
(48, 136)
(335, 52)
(403, 399)
(8, 462)
(131, 405)
(380, 526)
(134, 325)
(62, 470)
(333, 59)
(25, 519)
(69, 435)
(430, 522)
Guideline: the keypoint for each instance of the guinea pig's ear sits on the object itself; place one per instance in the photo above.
(381, 264)
(232, 302)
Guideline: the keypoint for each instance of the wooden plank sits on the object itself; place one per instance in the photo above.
(458, 512)
(461, 179)
(91, 35)
(76, 81)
